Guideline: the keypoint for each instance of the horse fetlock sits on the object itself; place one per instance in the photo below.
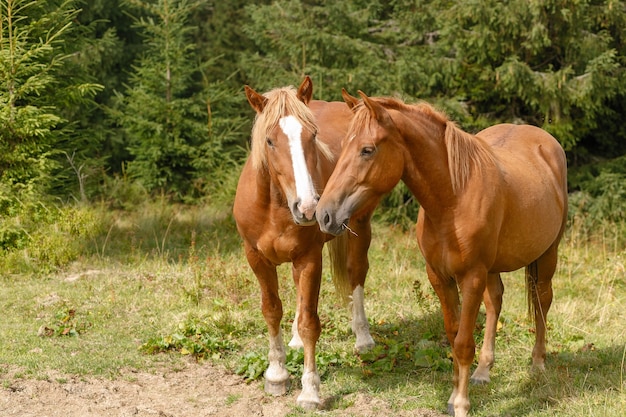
(460, 408)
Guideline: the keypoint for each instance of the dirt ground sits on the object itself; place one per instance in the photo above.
(195, 391)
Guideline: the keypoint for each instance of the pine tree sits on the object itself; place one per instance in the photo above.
(554, 63)
(36, 91)
(165, 111)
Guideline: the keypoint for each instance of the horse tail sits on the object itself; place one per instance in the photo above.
(338, 254)
(532, 276)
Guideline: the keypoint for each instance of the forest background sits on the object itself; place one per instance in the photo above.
(110, 103)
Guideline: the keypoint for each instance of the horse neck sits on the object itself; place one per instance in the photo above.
(426, 171)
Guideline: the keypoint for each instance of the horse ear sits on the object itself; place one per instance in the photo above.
(350, 100)
(256, 100)
(305, 91)
(377, 111)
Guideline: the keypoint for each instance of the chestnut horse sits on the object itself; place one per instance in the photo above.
(489, 203)
(295, 143)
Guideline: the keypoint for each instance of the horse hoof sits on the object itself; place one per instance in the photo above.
(308, 405)
(363, 346)
(538, 368)
(277, 388)
(451, 409)
(479, 380)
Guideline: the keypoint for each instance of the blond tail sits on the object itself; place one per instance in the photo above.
(338, 253)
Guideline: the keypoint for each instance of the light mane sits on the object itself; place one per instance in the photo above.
(467, 154)
(281, 102)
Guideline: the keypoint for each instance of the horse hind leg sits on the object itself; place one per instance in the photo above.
(360, 325)
(296, 340)
(492, 298)
(358, 266)
(349, 263)
(539, 282)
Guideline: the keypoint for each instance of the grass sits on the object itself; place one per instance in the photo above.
(174, 280)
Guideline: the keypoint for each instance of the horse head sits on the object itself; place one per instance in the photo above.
(369, 166)
(285, 147)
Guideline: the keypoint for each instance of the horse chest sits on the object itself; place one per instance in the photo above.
(286, 244)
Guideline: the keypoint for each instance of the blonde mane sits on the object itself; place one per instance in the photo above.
(467, 154)
(281, 102)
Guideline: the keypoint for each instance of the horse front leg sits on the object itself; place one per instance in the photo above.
(447, 292)
(276, 375)
(492, 298)
(309, 272)
(472, 287)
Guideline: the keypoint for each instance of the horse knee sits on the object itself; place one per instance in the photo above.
(464, 351)
(309, 327)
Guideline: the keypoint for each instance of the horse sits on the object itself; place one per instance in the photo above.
(295, 142)
(489, 203)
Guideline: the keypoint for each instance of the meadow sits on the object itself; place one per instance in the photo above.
(160, 285)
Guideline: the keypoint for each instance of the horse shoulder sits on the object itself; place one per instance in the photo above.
(449, 246)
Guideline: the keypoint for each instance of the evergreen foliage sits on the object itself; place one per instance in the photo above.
(36, 93)
(109, 98)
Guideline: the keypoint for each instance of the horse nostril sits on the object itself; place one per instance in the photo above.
(295, 206)
(326, 219)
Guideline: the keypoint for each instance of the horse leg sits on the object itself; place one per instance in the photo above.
(541, 293)
(472, 287)
(358, 265)
(296, 341)
(446, 290)
(309, 272)
(276, 375)
(492, 298)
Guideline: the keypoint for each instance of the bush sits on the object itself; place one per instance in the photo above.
(38, 235)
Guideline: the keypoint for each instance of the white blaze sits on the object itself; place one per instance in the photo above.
(305, 190)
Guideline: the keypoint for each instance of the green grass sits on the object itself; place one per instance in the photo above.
(173, 279)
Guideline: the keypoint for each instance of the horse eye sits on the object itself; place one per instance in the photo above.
(269, 142)
(367, 151)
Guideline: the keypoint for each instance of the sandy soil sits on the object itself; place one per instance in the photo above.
(196, 391)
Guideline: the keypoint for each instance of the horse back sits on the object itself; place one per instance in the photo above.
(333, 119)
(526, 151)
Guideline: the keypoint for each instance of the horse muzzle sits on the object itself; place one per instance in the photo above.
(329, 222)
(304, 212)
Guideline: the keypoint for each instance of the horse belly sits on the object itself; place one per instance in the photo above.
(528, 231)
